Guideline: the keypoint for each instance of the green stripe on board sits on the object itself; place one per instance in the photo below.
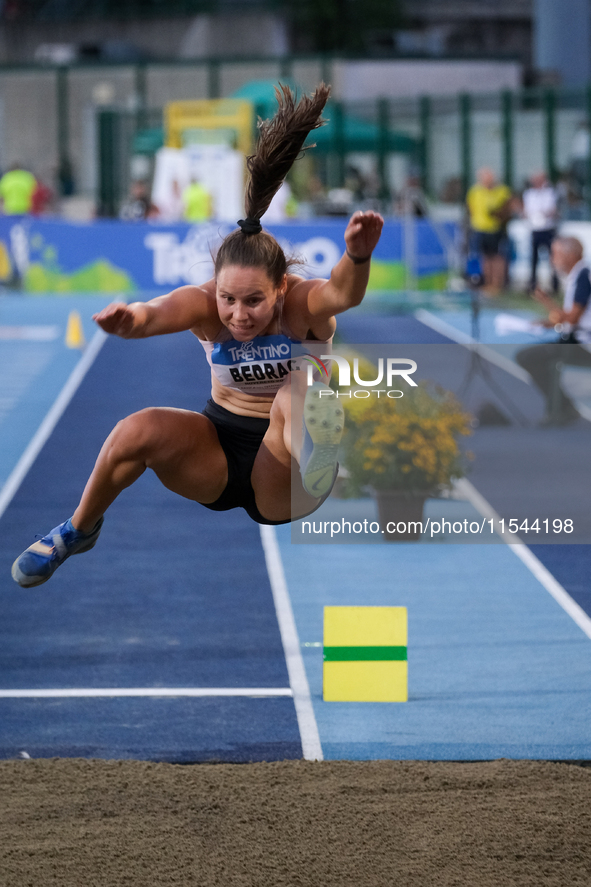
(365, 654)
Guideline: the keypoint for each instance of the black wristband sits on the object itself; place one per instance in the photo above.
(356, 260)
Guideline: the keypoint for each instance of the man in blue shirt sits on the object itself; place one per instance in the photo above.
(573, 324)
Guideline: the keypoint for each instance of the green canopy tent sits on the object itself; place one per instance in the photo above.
(342, 133)
(354, 134)
(262, 94)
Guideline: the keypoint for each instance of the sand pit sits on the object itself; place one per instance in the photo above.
(81, 823)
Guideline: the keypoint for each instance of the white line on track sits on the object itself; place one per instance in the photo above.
(446, 329)
(467, 491)
(55, 413)
(145, 691)
(45, 333)
(311, 747)
(11, 486)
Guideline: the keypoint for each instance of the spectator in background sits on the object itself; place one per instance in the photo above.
(138, 206)
(540, 208)
(355, 182)
(490, 207)
(172, 209)
(197, 202)
(42, 199)
(573, 325)
(65, 177)
(17, 187)
(281, 206)
(411, 199)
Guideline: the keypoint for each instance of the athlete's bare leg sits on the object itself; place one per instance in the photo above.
(275, 476)
(181, 447)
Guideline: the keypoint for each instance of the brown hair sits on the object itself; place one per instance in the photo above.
(280, 141)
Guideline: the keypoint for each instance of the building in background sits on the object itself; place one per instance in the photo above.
(562, 41)
(442, 75)
(550, 39)
(123, 30)
(468, 27)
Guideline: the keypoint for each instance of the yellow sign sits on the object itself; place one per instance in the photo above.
(226, 115)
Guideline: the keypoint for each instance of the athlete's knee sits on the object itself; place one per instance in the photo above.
(281, 406)
(283, 403)
(138, 434)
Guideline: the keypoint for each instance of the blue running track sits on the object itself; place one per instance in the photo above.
(177, 596)
(173, 595)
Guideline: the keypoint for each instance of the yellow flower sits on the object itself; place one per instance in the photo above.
(410, 442)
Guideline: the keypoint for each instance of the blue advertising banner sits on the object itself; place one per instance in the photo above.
(52, 256)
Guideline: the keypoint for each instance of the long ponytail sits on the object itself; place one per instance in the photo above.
(280, 142)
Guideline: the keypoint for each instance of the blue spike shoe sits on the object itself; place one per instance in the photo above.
(324, 421)
(41, 559)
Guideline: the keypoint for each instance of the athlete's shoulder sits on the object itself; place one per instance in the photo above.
(207, 318)
(295, 301)
(199, 300)
(187, 307)
(297, 313)
(198, 291)
(298, 288)
(294, 281)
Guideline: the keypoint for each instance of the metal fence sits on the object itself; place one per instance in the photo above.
(56, 120)
(48, 115)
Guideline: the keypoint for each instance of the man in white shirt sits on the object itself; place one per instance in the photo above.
(540, 208)
(573, 324)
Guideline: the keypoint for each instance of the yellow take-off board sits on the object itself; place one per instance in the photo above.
(365, 654)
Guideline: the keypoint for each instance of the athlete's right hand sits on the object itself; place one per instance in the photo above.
(117, 318)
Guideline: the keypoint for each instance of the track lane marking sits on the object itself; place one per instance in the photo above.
(52, 693)
(520, 549)
(446, 329)
(48, 424)
(311, 747)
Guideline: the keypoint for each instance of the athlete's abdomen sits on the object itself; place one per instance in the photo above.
(256, 406)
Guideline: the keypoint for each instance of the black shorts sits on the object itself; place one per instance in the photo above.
(490, 243)
(240, 438)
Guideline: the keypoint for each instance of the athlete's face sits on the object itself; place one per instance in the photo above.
(246, 299)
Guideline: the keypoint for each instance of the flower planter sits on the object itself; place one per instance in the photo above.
(399, 509)
(405, 450)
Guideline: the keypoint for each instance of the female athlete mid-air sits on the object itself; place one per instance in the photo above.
(240, 450)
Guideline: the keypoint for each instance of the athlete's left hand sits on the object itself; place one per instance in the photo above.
(363, 232)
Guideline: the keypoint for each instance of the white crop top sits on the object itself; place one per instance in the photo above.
(261, 365)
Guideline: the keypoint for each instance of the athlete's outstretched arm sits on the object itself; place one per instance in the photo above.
(180, 310)
(348, 280)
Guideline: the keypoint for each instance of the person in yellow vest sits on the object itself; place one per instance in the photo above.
(17, 187)
(197, 202)
(490, 207)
